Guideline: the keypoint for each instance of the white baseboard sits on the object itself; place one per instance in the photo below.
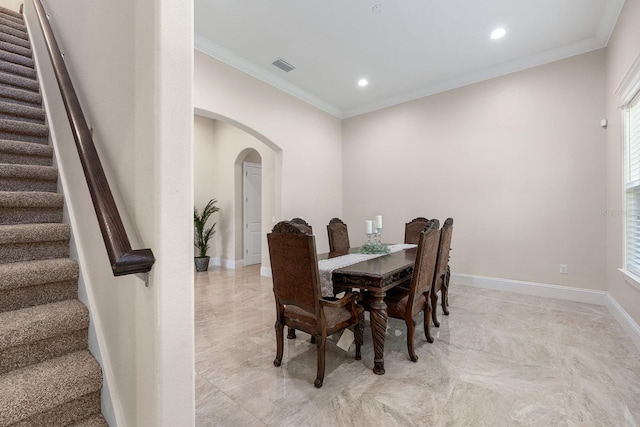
(559, 292)
(531, 288)
(265, 271)
(227, 263)
(626, 321)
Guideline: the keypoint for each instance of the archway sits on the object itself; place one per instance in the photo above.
(220, 147)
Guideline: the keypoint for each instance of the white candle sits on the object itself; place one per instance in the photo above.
(369, 224)
(378, 221)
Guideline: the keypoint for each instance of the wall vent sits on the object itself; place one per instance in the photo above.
(283, 65)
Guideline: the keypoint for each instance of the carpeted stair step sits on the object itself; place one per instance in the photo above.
(56, 392)
(13, 22)
(29, 283)
(20, 70)
(15, 41)
(20, 96)
(95, 421)
(11, 14)
(15, 58)
(30, 207)
(13, 81)
(15, 49)
(13, 31)
(25, 153)
(26, 242)
(28, 178)
(20, 131)
(18, 112)
(34, 334)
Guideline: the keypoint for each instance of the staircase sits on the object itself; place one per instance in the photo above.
(47, 375)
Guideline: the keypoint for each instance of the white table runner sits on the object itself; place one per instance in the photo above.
(326, 266)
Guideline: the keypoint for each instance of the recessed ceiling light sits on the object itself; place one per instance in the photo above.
(498, 33)
(363, 82)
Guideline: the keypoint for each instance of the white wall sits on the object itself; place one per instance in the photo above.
(11, 4)
(131, 64)
(622, 50)
(310, 140)
(219, 150)
(517, 161)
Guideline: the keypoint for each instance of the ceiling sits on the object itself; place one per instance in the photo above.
(405, 49)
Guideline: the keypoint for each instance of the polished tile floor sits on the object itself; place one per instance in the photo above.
(499, 359)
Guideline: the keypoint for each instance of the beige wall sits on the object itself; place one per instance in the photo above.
(125, 59)
(623, 49)
(517, 161)
(310, 140)
(220, 148)
(11, 4)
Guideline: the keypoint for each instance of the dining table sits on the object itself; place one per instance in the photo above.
(375, 275)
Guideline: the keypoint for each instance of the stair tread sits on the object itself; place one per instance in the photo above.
(23, 128)
(19, 327)
(14, 32)
(21, 94)
(34, 233)
(34, 172)
(19, 82)
(16, 49)
(19, 110)
(26, 148)
(36, 388)
(16, 58)
(37, 272)
(95, 421)
(13, 23)
(30, 199)
(18, 69)
(8, 38)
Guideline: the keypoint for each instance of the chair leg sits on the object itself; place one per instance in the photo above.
(291, 334)
(359, 335)
(434, 304)
(320, 344)
(411, 327)
(279, 342)
(445, 292)
(427, 324)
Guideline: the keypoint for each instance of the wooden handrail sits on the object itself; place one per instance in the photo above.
(123, 259)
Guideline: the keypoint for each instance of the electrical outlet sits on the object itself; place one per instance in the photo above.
(564, 269)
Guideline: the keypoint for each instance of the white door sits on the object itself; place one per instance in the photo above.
(252, 174)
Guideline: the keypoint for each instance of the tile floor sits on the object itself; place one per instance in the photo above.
(499, 359)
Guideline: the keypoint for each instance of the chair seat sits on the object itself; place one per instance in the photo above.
(334, 316)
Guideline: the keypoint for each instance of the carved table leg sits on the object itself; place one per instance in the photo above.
(378, 317)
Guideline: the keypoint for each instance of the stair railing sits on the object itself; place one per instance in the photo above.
(123, 259)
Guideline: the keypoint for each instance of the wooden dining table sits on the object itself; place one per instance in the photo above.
(376, 276)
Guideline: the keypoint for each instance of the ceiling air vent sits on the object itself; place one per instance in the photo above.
(283, 65)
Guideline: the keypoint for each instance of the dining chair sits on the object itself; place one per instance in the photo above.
(404, 303)
(443, 272)
(301, 222)
(291, 332)
(413, 228)
(338, 236)
(297, 291)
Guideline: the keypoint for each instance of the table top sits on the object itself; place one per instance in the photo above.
(379, 273)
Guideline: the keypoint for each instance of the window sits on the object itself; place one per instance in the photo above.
(632, 184)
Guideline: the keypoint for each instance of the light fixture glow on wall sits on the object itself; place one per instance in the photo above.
(362, 82)
(498, 33)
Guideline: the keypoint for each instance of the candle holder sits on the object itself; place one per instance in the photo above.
(377, 233)
(374, 243)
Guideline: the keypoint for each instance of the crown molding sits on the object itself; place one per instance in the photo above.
(218, 52)
(212, 49)
(532, 61)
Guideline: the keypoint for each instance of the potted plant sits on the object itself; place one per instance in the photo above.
(202, 235)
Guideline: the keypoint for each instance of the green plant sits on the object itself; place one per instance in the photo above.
(202, 235)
